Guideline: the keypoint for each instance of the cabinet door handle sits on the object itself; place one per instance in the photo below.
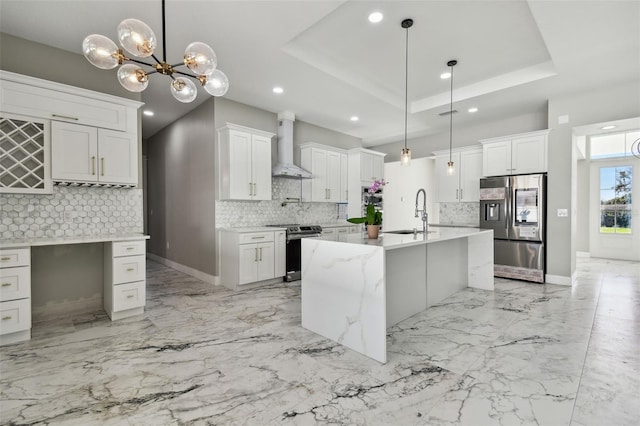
(461, 193)
(260, 254)
(101, 166)
(456, 194)
(8, 317)
(255, 189)
(130, 296)
(6, 258)
(66, 117)
(257, 238)
(129, 248)
(93, 165)
(130, 269)
(256, 257)
(6, 284)
(250, 189)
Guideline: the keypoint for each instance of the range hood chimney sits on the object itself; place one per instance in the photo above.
(285, 166)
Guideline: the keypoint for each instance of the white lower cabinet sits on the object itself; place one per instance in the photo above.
(251, 257)
(124, 278)
(15, 295)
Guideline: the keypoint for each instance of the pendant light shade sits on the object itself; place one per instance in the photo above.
(450, 165)
(405, 156)
(137, 39)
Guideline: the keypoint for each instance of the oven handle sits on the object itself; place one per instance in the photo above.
(299, 237)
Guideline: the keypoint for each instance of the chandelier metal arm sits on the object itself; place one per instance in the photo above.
(139, 62)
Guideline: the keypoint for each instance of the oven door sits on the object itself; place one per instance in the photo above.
(293, 259)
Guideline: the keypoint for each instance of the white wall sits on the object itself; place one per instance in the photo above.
(400, 193)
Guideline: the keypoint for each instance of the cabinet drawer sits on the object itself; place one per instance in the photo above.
(128, 269)
(256, 237)
(128, 296)
(15, 283)
(15, 316)
(15, 257)
(128, 248)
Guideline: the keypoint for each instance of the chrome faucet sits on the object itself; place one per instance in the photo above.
(425, 216)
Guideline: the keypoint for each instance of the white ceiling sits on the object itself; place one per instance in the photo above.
(513, 55)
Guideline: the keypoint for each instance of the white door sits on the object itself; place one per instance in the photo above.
(266, 261)
(118, 153)
(319, 168)
(614, 225)
(496, 158)
(261, 167)
(248, 263)
(74, 152)
(470, 174)
(240, 183)
(448, 185)
(528, 155)
(333, 176)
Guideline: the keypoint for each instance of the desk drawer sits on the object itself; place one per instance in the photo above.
(128, 269)
(128, 248)
(15, 283)
(128, 296)
(15, 257)
(15, 316)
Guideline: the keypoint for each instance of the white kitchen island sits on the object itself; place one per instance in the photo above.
(354, 288)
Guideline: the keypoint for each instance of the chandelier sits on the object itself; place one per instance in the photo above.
(139, 40)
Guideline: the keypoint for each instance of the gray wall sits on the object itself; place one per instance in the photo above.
(424, 146)
(596, 106)
(181, 190)
(582, 206)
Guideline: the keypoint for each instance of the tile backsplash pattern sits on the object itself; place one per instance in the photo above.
(460, 213)
(231, 214)
(71, 211)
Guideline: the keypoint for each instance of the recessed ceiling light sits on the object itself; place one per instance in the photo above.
(278, 90)
(355, 118)
(474, 109)
(148, 113)
(375, 17)
(445, 75)
(608, 127)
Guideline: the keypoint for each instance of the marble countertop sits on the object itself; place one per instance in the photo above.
(52, 241)
(457, 225)
(395, 241)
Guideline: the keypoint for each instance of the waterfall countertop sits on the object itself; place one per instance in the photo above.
(52, 241)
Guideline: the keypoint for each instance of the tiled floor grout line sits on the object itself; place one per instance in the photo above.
(586, 353)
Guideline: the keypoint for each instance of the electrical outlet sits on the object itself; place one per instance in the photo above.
(167, 245)
(563, 213)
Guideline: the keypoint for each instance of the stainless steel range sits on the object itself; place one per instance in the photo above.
(295, 232)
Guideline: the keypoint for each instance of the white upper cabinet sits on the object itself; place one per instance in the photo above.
(516, 154)
(328, 167)
(365, 166)
(245, 163)
(85, 154)
(464, 184)
(344, 180)
(371, 167)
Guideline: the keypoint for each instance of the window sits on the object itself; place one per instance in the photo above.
(615, 199)
(613, 145)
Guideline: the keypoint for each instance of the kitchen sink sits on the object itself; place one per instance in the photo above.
(406, 231)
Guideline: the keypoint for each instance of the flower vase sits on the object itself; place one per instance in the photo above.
(372, 231)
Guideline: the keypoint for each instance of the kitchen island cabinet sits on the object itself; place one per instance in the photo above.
(354, 288)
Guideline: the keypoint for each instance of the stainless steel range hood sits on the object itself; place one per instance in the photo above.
(285, 167)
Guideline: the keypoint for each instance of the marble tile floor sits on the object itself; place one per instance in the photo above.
(524, 354)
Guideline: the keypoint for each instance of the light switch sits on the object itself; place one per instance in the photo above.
(563, 213)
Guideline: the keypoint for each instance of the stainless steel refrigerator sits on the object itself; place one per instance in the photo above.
(514, 207)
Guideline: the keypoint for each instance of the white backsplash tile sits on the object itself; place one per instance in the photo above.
(231, 214)
(459, 213)
(90, 212)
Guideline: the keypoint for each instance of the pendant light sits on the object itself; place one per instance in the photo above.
(405, 157)
(137, 39)
(450, 168)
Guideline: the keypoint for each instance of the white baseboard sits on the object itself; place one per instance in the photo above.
(583, 254)
(558, 279)
(211, 279)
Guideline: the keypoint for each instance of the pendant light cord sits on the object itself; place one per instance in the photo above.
(406, 86)
(451, 116)
(164, 38)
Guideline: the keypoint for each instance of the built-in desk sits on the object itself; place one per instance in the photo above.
(124, 282)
